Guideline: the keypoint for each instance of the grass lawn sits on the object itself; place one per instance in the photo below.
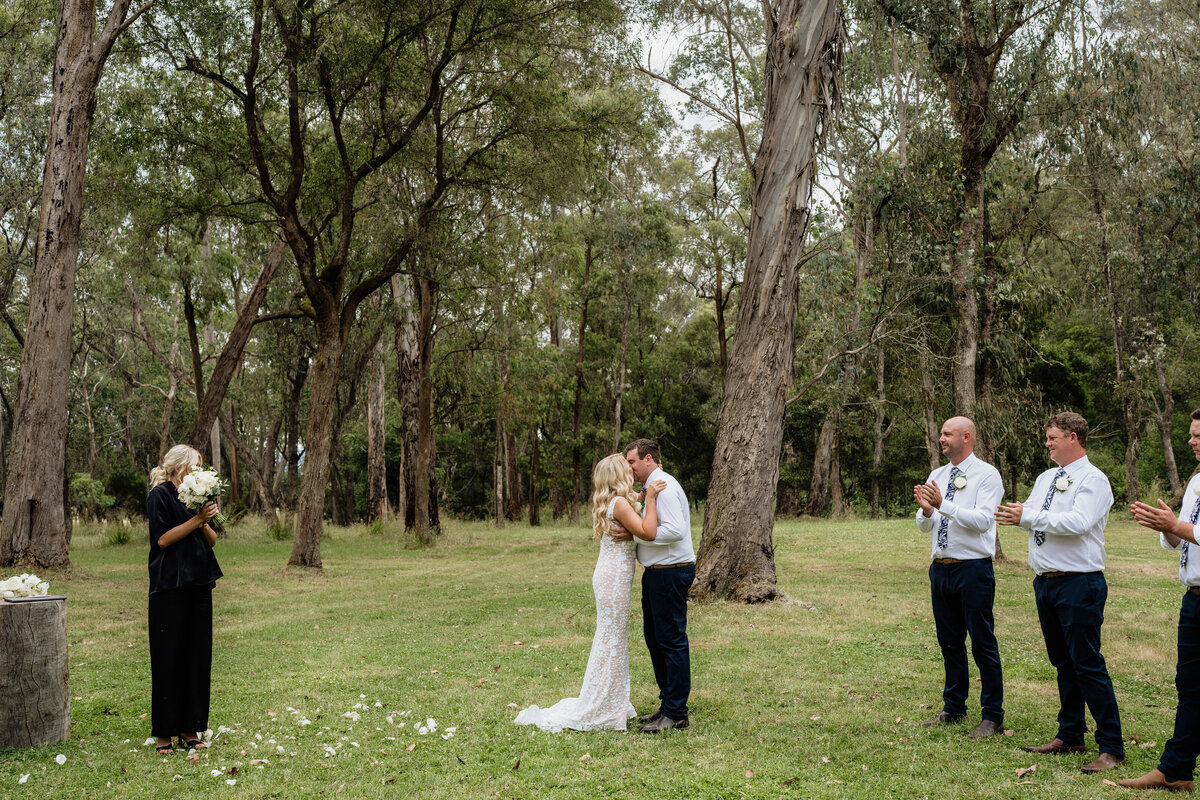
(787, 701)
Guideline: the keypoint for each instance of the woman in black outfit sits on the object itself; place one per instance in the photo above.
(183, 572)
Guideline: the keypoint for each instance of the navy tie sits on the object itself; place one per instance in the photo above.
(943, 537)
(1183, 555)
(1039, 537)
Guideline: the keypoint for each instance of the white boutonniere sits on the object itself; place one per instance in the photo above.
(1062, 483)
(960, 481)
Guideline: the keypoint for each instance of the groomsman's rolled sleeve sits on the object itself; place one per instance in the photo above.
(924, 523)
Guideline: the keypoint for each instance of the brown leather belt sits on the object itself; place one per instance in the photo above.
(947, 561)
(671, 566)
(1057, 574)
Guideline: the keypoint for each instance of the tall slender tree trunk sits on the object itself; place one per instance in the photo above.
(513, 494)
(1165, 417)
(880, 432)
(36, 528)
(408, 389)
(377, 496)
(929, 410)
(498, 475)
(736, 554)
(535, 499)
(576, 426)
(962, 286)
(818, 489)
(425, 494)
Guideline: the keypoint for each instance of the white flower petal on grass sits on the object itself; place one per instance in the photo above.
(422, 730)
(378, 704)
(216, 773)
(60, 759)
(23, 778)
(351, 715)
(146, 743)
(431, 723)
(231, 782)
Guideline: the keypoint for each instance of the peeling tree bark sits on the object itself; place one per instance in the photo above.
(736, 554)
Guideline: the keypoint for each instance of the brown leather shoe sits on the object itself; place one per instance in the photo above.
(664, 723)
(655, 717)
(1103, 761)
(1156, 780)
(944, 718)
(985, 729)
(1055, 745)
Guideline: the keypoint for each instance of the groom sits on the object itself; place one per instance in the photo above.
(670, 568)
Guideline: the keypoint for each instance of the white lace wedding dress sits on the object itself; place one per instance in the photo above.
(603, 702)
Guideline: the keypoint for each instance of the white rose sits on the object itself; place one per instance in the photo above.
(1062, 483)
(960, 482)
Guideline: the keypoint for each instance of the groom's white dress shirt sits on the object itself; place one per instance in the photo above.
(673, 540)
(1073, 525)
(970, 516)
(1189, 564)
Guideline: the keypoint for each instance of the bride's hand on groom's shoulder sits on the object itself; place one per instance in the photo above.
(652, 489)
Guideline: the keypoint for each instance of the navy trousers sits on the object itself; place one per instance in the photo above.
(1071, 611)
(963, 595)
(664, 623)
(1179, 756)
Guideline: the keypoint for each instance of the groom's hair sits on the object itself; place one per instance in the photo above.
(1069, 422)
(644, 448)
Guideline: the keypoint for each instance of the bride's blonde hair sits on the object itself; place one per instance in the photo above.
(610, 478)
(175, 459)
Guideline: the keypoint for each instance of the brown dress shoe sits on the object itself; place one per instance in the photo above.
(1055, 745)
(664, 724)
(944, 718)
(985, 729)
(655, 717)
(1103, 761)
(1154, 779)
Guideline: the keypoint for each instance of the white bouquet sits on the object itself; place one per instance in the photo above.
(24, 585)
(203, 486)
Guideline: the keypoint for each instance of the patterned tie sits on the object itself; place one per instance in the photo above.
(1039, 537)
(943, 537)
(1183, 554)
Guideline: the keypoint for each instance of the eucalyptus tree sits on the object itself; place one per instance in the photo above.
(991, 59)
(332, 93)
(736, 557)
(36, 530)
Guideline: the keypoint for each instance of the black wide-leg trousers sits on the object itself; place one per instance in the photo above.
(180, 660)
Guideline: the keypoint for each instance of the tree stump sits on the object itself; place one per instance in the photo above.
(35, 702)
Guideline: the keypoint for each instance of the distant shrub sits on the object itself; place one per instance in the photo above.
(280, 528)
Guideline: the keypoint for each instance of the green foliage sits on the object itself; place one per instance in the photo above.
(88, 496)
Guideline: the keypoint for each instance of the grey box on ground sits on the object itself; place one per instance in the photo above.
(35, 699)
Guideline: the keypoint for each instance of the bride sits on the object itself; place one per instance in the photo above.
(603, 702)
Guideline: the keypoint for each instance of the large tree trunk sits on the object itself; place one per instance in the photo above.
(933, 448)
(736, 555)
(513, 495)
(498, 474)
(310, 507)
(36, 529)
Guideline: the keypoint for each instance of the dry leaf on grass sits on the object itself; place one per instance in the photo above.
(1023, 771)
(411, 747)
(789, 781)
(749, 773)
(1107, 782)
(586, 757)
(1009, 732)
(517, 764)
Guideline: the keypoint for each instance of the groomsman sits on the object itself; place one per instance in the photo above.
(957, 504)
(1178, 763)
(1066, 551)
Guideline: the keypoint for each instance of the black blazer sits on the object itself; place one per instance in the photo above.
(188, 562)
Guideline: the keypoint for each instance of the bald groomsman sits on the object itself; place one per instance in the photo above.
(957, 504)
(1065, 514)
(1178, 763)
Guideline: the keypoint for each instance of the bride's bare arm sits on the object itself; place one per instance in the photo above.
(645, 528)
